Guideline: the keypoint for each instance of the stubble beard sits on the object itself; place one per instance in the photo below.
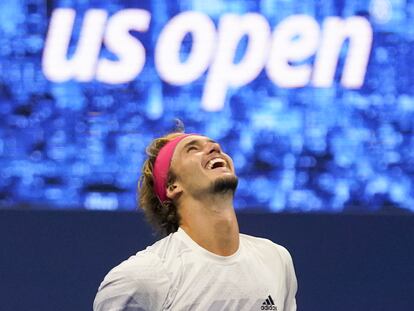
(224, 185)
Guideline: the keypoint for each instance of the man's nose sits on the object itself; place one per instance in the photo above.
(213, 147)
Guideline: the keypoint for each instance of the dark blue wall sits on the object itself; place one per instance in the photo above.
(55, 260)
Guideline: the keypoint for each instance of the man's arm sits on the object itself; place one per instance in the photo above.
(138, 284)
(291, 282)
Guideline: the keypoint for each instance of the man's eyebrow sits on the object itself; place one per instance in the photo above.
(196, 142)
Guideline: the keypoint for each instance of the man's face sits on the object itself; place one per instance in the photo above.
(201, 167)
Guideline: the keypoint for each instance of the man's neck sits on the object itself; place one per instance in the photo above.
(212, 223)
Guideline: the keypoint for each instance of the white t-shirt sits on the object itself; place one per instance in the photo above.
(177, 274)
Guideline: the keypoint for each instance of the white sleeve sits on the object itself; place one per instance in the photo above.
(138, 284)
(291, 282)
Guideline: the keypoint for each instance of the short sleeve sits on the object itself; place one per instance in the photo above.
(138, 284)
(291, 281)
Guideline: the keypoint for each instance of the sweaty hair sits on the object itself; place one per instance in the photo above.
(163, 216)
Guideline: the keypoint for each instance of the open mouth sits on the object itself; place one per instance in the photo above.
(215, 163)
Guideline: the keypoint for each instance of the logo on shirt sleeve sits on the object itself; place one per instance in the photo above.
(269, 304)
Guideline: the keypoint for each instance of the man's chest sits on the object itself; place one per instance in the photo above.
(244, 286)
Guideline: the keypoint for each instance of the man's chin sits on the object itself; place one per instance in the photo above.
(224, 184)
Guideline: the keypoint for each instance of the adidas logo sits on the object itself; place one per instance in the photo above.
(269, 304)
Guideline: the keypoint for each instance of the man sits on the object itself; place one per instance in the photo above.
(186, 191)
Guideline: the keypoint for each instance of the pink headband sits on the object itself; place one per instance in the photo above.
(162, 166)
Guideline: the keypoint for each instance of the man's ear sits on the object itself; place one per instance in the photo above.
(174, 190)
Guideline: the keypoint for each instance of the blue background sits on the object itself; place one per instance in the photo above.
(81, 144)
(53, 260)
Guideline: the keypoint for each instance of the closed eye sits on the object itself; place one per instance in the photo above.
(191, 148)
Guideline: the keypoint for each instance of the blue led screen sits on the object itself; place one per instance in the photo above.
(312, 99)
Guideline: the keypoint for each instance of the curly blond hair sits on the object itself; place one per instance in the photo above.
(163, 216)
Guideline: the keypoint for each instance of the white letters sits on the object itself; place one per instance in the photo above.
(223, 72)
(130, 51)
(294, 40)
(167, 52)
(335, 31)
(81, 66)
(286, 53)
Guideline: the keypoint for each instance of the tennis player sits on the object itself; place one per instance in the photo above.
(203, 263)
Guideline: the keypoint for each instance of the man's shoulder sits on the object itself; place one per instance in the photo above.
(259, 242)
(143, 262)
(265, 246)
(168, 248)
(155, 260)
(142, 281)
(154, 257)
(143, 272)
(138, 283)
